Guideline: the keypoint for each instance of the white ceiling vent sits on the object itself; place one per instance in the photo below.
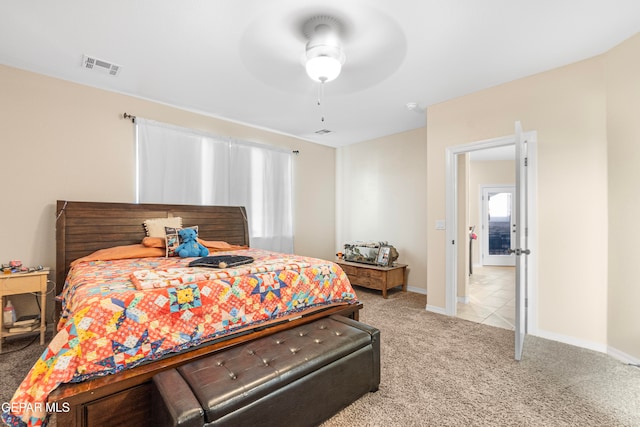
(104, 67)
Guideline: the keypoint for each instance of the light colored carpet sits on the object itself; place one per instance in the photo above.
(443, 371)
(18, 355)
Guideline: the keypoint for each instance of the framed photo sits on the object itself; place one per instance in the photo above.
(383, 256)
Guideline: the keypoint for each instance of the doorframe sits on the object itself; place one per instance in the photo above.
(484, 224)
(452, 221)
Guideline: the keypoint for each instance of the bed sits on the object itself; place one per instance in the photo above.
(124, 320)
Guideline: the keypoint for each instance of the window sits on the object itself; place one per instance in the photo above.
(183, 166)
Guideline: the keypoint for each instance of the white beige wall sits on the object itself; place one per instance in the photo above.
(486, 172)
(585, 115)
(61, 140)
(623, 125)
(566, 107)
(381, 196)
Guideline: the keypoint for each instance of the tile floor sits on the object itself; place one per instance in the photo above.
(491, 297)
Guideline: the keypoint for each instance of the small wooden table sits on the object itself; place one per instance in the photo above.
(24, 283)
(375, 277)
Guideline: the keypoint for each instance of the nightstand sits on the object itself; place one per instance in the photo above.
(374, 276)
(25, 283)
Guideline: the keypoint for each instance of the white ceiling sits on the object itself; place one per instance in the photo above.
(241, 59)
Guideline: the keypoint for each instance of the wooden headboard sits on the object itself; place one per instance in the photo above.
(85, 227)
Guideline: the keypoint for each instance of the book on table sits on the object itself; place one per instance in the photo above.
(29, 319)
(24, 328)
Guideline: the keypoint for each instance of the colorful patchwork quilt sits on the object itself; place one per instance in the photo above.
(120, 313)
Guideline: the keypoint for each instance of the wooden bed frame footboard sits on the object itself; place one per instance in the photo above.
(84, 227)
(124, 399)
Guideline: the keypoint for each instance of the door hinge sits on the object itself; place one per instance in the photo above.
(526, 161)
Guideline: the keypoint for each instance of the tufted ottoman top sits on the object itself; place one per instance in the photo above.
(238, 376)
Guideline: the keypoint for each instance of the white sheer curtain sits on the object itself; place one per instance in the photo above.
(179, 165)
(261, 181)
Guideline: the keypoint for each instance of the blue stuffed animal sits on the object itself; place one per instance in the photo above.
(190, 246)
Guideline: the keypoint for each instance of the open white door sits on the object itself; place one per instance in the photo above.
(521, 250)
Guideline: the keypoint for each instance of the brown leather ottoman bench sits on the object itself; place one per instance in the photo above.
(298, 377)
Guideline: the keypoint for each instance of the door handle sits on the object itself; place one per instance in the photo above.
(519, 251)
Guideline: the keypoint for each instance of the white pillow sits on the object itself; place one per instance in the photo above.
(155, 226)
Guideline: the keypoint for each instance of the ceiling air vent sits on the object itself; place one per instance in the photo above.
(323, 131)
(95, 64)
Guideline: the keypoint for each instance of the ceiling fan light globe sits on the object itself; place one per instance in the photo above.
(323, 68)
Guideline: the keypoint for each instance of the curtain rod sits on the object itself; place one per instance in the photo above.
(129, 116)
(133, 120)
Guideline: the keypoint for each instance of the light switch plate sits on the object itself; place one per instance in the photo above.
(440, 224)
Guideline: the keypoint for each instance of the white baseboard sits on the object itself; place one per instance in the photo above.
(589, 345)
(431, 308)
(602, 348)
(435, 309)
(417, 290)
(622, 356)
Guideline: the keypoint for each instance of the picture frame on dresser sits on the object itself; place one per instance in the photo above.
(384, 256)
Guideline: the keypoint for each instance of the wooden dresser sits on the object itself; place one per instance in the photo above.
(375, 277)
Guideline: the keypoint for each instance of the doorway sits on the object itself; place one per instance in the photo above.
(454, 236)
(489, 295)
